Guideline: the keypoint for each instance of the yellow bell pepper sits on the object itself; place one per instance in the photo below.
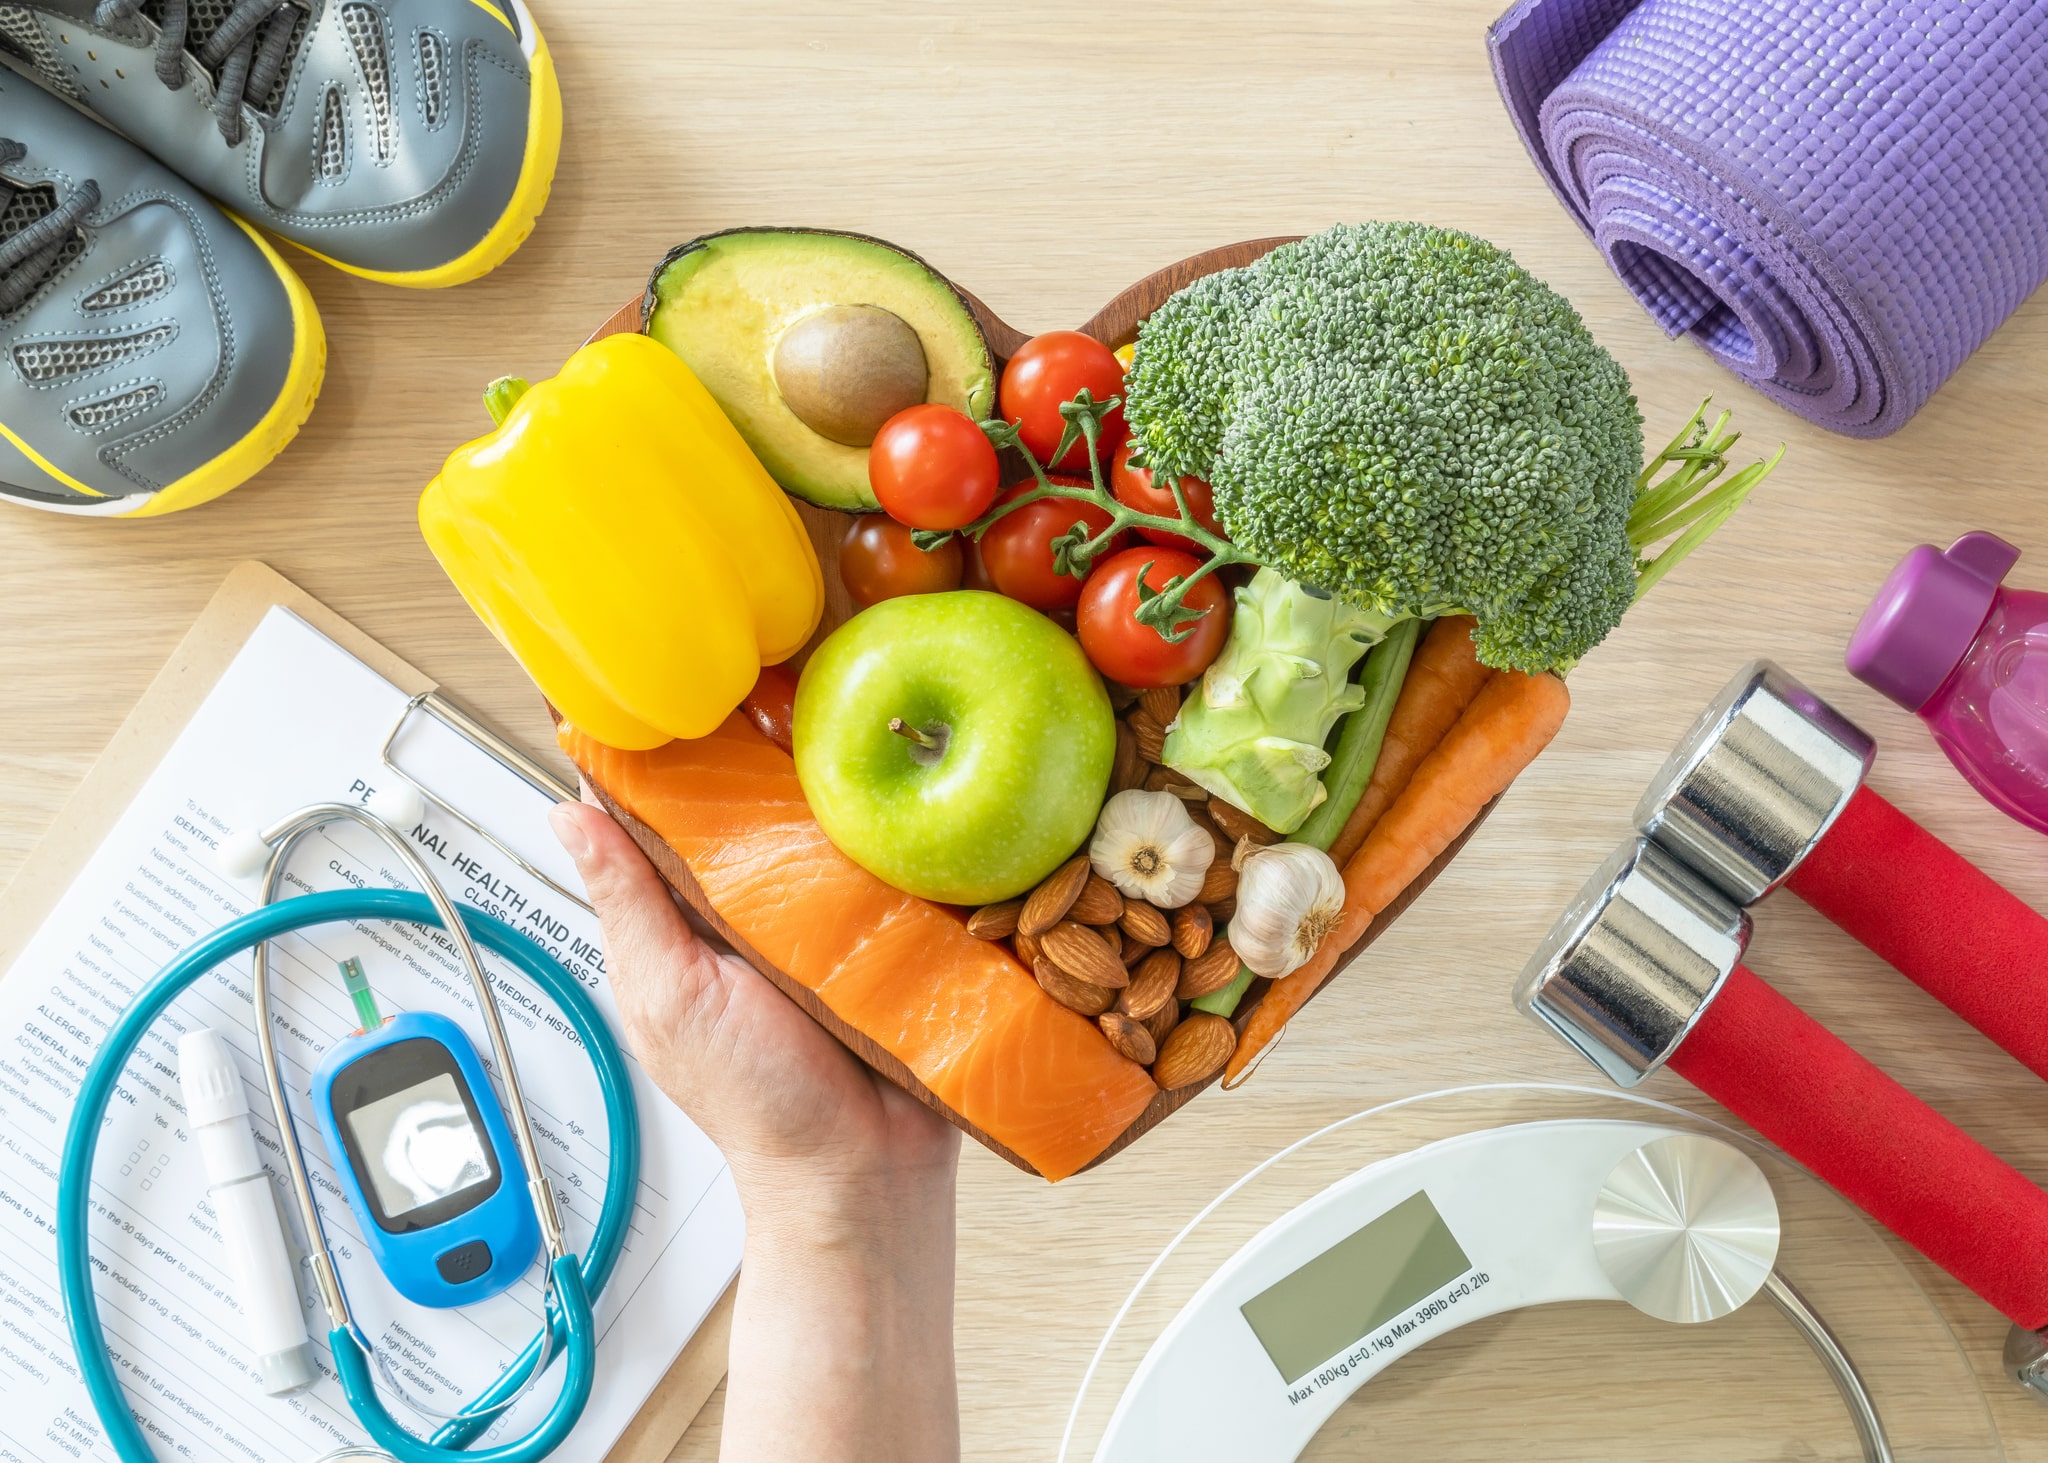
(620, 538)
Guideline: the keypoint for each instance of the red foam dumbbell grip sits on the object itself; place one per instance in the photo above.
(1937, 918)
(1882, 1148)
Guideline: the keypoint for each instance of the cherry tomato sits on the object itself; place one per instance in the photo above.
(974, 572)
(1133, 488)
(1138, 655)
(1050, 369)
(1017, 549)
(931, 467)
(771, 705)
(878, 561)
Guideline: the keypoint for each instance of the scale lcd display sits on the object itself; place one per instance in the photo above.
(420, 1144)
(1355, 1287)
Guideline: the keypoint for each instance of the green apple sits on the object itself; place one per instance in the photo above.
(956, 745)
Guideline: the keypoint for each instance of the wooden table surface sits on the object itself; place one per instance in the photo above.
(1045, 155)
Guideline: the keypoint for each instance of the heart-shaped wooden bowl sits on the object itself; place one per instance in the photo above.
(1114, 324)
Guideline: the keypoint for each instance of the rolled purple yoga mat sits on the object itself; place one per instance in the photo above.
(1838, 199)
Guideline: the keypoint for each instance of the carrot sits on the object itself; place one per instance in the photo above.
(1513, 717)
(1442, 680)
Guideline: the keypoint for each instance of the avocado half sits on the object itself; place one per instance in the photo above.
(810, 339)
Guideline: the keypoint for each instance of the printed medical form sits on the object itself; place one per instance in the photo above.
(297, 720)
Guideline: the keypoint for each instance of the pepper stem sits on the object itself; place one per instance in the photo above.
(502, 395)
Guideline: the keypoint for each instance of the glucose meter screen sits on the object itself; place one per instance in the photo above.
(420, 1145)
(1355, 1287)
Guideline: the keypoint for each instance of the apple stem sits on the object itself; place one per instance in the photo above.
(903, 728)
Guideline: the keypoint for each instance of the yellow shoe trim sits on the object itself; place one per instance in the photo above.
(279, 425)
(46, 465)
(496, 14)
(529, 197)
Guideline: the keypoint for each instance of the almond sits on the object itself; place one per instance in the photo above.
(1085, 955)
(1219, 883)
(1099, 903)
(1128, 771)
(1161, 703)
(1153, 981)
(1150, 734)
(1120, 695)
(1194, 1052)
(1050, 901)
(1133, 952)
(1163, 1021)
(1027, 947)
(1236, 823)
(1129, 1037)
(1145, 924)
(995, 921)
(1193, 926)
(1223, 909)
(1209, 972)
(1112, 937)
(1075, 995)
(1165, 779)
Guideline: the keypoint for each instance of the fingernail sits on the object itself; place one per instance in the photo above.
(569, 831)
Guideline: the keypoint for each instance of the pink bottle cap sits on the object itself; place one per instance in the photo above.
(1926, 617)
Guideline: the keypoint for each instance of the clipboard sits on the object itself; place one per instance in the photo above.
(117, 777)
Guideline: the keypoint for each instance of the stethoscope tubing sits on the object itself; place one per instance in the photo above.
(569, 1327)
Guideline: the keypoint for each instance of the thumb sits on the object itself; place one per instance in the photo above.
(668, 982)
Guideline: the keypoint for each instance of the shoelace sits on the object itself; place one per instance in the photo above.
(26, 256)
(248, 51)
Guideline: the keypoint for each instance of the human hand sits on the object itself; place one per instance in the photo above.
(793, 1111)
(846, 1180)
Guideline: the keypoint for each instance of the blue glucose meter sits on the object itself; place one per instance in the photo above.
(427, 1160)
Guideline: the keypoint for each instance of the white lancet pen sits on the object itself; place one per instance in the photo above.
(259, 1256)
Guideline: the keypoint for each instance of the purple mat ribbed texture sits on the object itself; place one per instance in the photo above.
(1838, 199)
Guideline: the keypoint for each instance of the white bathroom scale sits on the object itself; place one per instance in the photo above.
(1524, 1273)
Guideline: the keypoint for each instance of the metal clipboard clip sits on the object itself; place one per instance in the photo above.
(439, 708)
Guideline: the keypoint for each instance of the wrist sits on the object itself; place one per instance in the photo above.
(882, 1208)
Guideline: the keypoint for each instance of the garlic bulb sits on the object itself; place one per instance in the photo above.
(1289, 896)
(1147, 845)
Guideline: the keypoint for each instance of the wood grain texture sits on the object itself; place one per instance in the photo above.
(1048, 153)
(1113, 325)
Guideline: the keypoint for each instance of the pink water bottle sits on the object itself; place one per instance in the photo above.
(1946, 639)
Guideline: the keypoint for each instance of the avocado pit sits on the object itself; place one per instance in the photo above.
(844, 370)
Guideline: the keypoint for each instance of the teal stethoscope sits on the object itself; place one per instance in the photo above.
(569, 1330)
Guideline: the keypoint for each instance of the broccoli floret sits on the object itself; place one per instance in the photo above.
(1411, 420)
(1188, 369)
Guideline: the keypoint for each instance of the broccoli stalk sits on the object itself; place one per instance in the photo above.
(1254, 730)
(1257, 752)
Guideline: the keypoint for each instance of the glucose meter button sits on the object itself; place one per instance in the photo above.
(1686, 1228)
(464, 1263)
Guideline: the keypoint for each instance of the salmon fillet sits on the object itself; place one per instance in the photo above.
(959, 1012)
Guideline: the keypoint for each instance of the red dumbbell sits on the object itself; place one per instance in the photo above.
(1646, 970)
(1768, 789)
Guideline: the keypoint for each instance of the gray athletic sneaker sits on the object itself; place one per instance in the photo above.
(408, 141)
(156, 351)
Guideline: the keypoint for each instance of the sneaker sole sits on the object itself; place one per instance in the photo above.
(257, 448)
(529, 196)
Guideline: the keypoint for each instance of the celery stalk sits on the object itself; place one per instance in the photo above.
(1358, 744)
(1224, 1002)
(1350, 769)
